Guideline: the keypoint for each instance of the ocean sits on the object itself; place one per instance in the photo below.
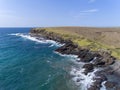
(30, 64)
(27, 63)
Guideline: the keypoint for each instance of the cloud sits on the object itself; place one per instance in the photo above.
(91, 1)
(86, 13)
(89, 11)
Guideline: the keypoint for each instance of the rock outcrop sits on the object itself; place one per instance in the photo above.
(93, 59)
(109, 84)
(88, 68)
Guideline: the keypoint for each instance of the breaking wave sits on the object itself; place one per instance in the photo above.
(36, 39)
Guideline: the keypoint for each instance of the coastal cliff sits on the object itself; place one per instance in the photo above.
(93, 53)
(92, 38)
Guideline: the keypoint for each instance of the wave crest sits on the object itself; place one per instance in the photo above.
(36, 39)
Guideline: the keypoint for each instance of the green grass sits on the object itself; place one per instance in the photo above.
(116, 53)
(84, 42)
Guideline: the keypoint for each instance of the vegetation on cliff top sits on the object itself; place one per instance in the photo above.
(92, 38)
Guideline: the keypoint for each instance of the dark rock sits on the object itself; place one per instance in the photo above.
(82, 53)
(75, 51)
(100, 76)
(109, 71)
(99, 62)
(93, 88)
(104, 61)
(117, 88)
(96, 54)
(68, 41)
(98, 80)
(110, 61)
(85, 55)
(109, 84)
(88, 68)
(68, 48)
(107, 58)
(78, 80)
(103, 58)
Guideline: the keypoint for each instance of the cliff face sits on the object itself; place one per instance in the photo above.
(108, 36)
(92, 38)
(70, 47)
(48, 35)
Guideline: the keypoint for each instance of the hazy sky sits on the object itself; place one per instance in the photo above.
(40, 13)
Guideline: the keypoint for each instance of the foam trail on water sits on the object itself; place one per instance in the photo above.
(40, 40)
(66, 55)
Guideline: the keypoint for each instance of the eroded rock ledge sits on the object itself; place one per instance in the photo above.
(93, 59)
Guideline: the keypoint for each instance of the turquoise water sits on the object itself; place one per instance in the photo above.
(26, 64)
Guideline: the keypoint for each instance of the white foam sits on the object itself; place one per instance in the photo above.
(47, 81)
(40, 40)
(84, 80)
(51, 45)
(66, 55)
(103, 86)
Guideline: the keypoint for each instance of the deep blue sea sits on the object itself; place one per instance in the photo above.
(29, 64)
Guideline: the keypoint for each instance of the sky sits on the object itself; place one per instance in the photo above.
(50, 13)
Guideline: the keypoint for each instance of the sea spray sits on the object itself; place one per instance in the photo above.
(77, 72)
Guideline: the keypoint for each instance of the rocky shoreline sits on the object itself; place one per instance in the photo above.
(92, 59)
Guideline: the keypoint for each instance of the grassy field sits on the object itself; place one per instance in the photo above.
(93, 38)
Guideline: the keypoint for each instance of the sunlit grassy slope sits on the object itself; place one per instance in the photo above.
(93, 38)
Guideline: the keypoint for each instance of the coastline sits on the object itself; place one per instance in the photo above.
(92, 59)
